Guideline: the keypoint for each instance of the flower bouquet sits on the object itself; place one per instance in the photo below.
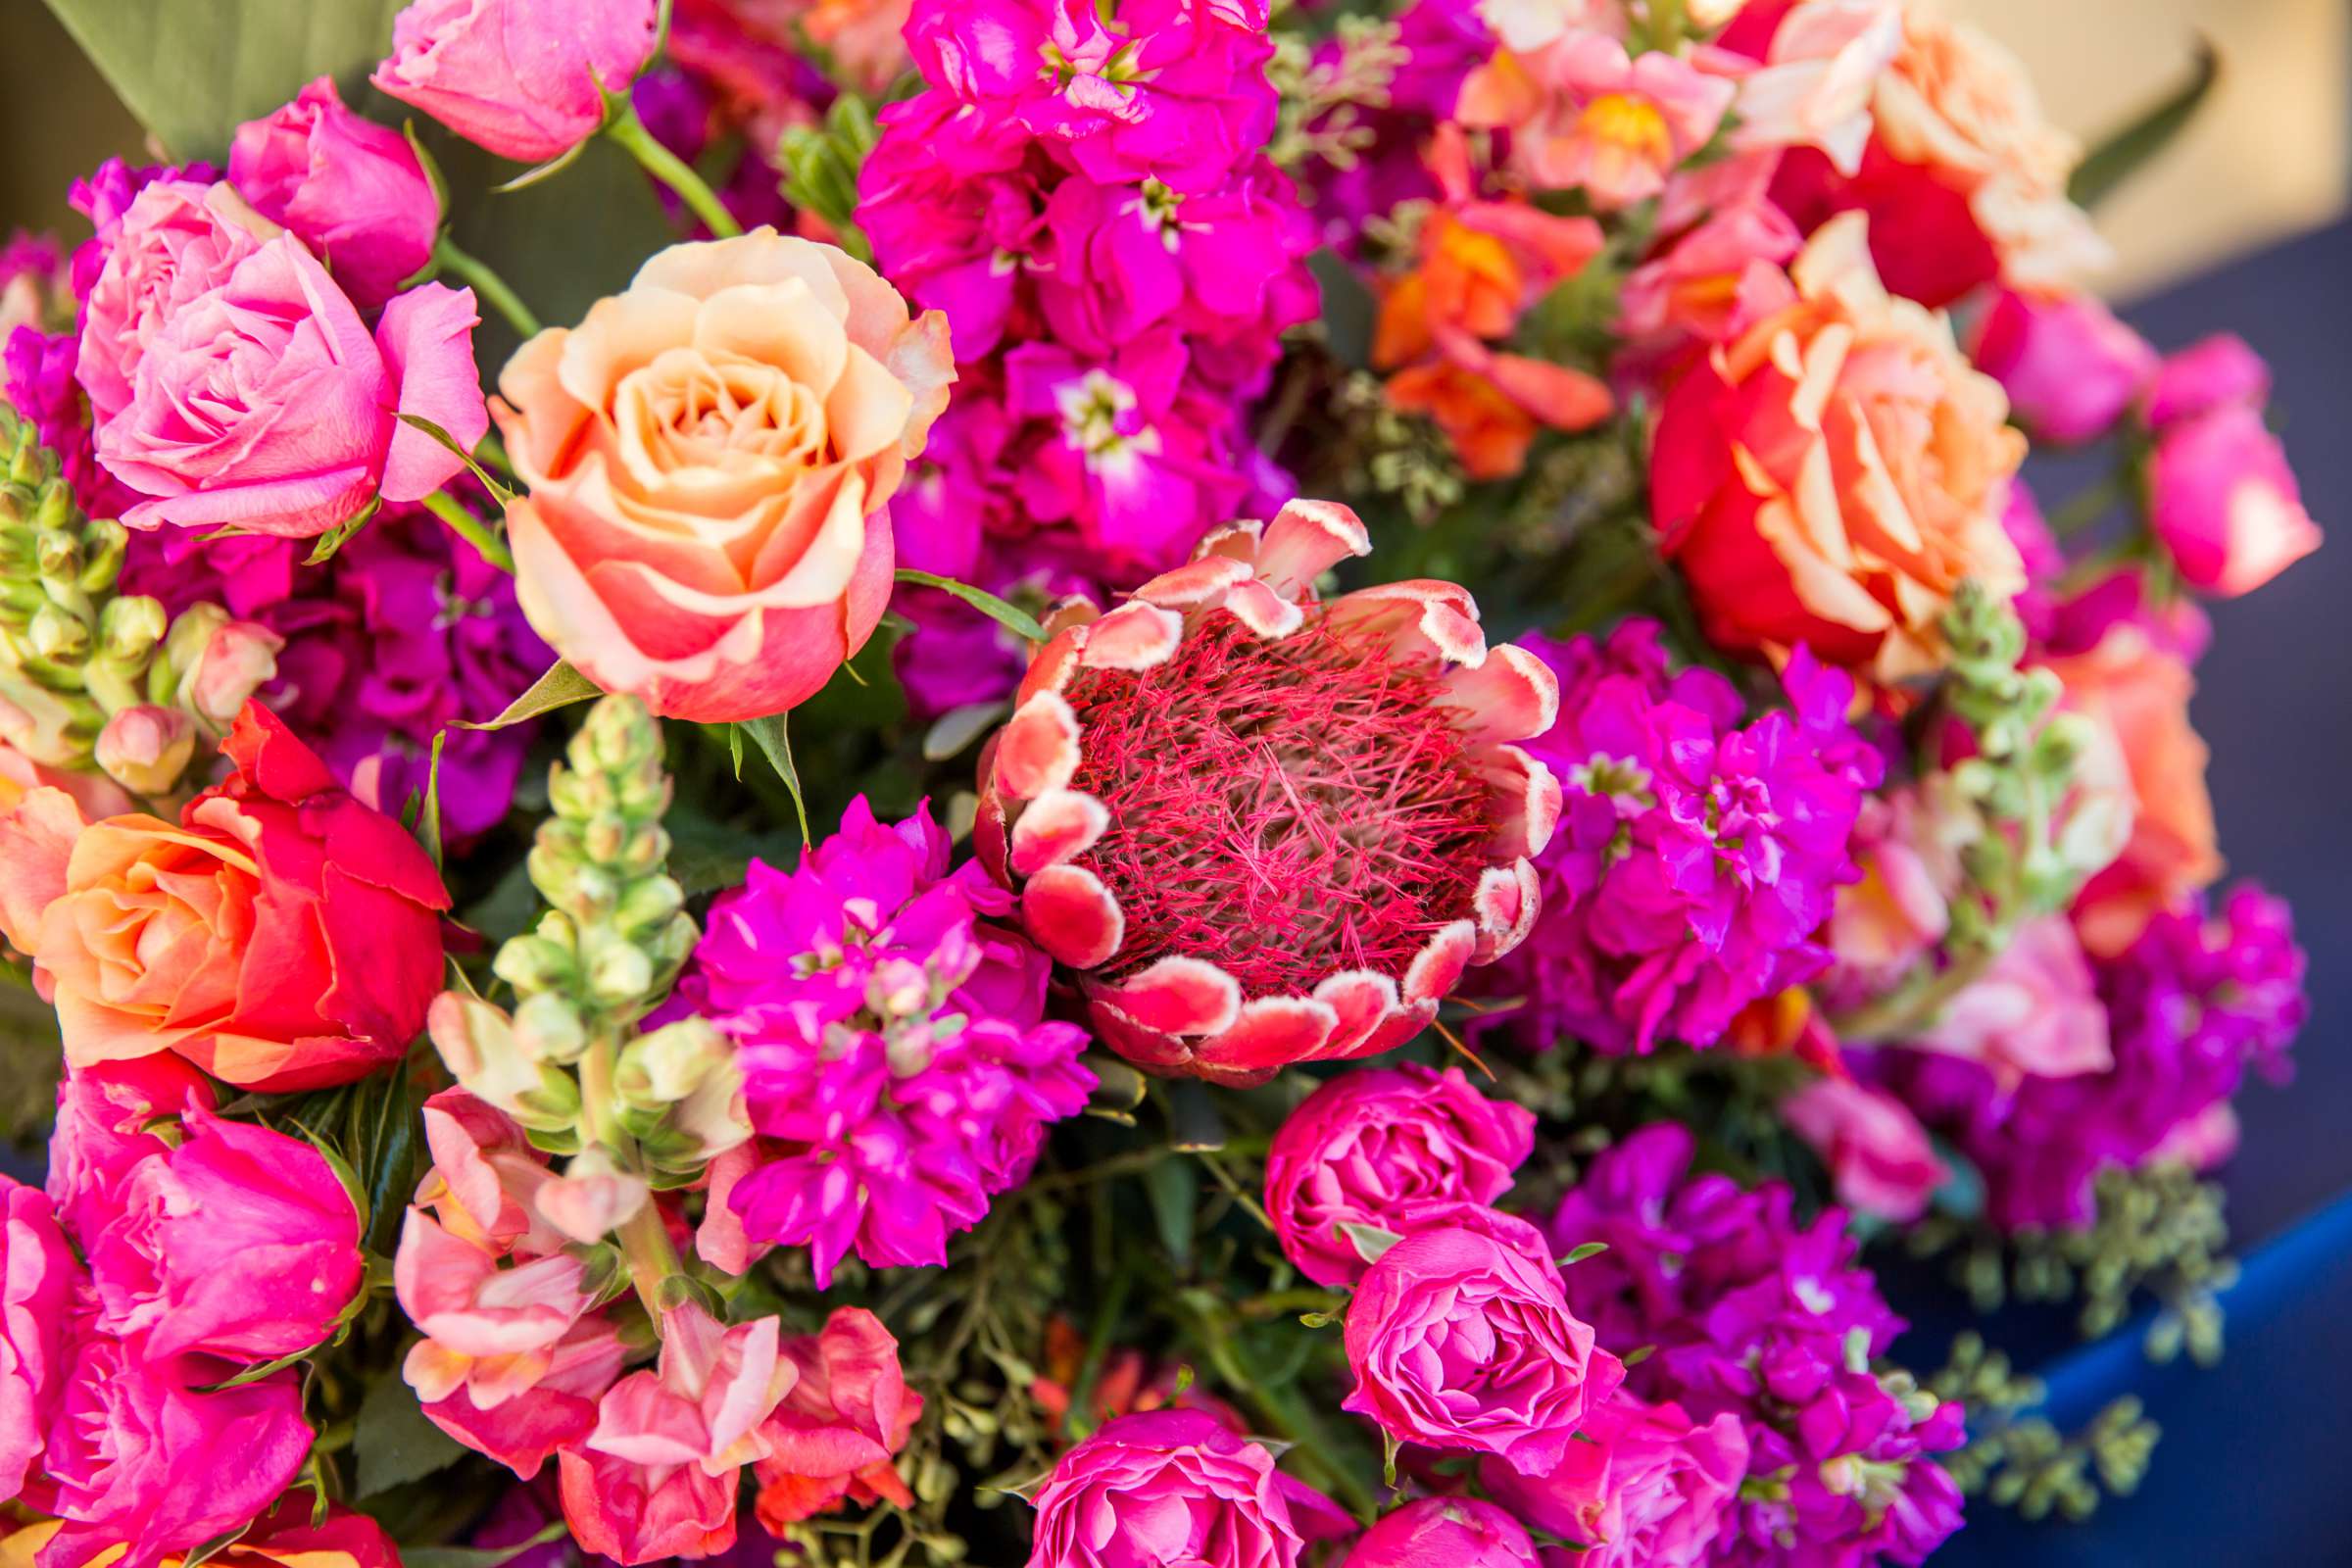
(1126, 786)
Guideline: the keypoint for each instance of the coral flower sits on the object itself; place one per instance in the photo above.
(1268, 829)
(1586, 115)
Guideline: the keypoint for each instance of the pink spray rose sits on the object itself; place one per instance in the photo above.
(845, 1418)
(1369, 1147)
(2070, 368)
(658, 1476)
(38, 1278)
(175, 242)
(2209, 373)
(1445, 1533)
(1171, 1487)
(1460, 1342)
(107, 1118)
(349, 188)
(2226, 503)
(1878, 1154)
(139, 1457)
(1645, 1487)
(525, 79)
(241, 1243)
(262, 402)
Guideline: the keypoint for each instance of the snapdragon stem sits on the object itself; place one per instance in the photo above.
(487, 285)
(472, 529)
(643, 1242)
(672, 171)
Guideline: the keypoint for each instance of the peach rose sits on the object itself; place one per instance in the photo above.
(1830, 475)
(2136, 693)
(710, 458)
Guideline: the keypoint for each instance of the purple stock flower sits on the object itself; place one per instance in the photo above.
(1696, 857)
(894, 1052)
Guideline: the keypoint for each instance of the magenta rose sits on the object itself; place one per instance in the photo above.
(108, 1115)
(264, 404)
(1460, 1342)
(139, 1457)
(523, 77)
(1172, 1487)
(1371, 1146)
(1445, 1533)
(176, 241)
(38, 1273)
(241, 1243)
(351, 189)
(2225, 500)
(1643, 1488)
(2070, 368)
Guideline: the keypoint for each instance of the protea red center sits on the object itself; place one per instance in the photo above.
(1270, 829)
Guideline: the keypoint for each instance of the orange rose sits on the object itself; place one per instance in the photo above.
(2136, 693)
(1832, 475)
(709, 457)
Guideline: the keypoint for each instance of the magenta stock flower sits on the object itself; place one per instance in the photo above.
(1374, 1149)
(1445, 1533)
(1172, 1487)
(1697, 857)
(1643, 1486)
(1458, 1342)
(524, 80)
(349, 188)
(39, 1280)
(240, 1242)
(894, 1052)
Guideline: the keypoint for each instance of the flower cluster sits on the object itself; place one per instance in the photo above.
(1087, 199)
(1696, 856)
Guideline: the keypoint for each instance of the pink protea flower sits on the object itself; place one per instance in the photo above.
(896, 1059)
(1268, 830)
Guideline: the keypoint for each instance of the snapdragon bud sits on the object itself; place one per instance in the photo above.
(147, 749)
(480, 1045)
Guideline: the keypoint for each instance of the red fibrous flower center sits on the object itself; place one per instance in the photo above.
(1282, 809)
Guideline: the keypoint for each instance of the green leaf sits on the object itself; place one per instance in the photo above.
(1588, 1249)
(477, 1557)
(1371, 1243)
(768, 734)
(1014, 620)
(559, 687)
(1195, 1124)
(958, 727)
(260, 1370)
(1348, 309)
(501, 494)
(2120, 154)
(396, 1443)
(192, 70)
(338, 536)
(382, 1127)
(428, 822)
(1174, 1188)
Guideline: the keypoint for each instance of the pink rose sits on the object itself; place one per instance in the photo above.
(2226, 503)
(2209, 374)
(240, 1242)
(1645, 1487)
(658, 1476)
(525, 79)
(1459, 1342)
(107, 1115)
(351, 189)
(1171, 1487)
(264, 404)
(38, 1275)
(2070, 368)
(2035, 1009)
(1369, 1146)
(844, 1419)
(1445, 1533)
(1876, 1149)
(178, 241)
(140, 1457)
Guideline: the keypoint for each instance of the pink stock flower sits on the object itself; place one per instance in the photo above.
(1582, 114)
(2036, 1010)
(349, 188)
(1330, 896)
(1458, 1342)
(39, 1280)
(1879, 1156)
(2226, 504)
(658, 1476)
(841, 1423)
(1171, 1487)
(525, 79)
(1445, 1533)
(1645, 1485)
(1371, 1146)
(140, 1456)
(107, 1118)
(241, 1243)
(2070, 368)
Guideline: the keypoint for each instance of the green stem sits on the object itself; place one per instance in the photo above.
(1292, 1418)
(486, 284)
(472, 529)
(2086, 507)
(672, 171)
(645, 1248)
